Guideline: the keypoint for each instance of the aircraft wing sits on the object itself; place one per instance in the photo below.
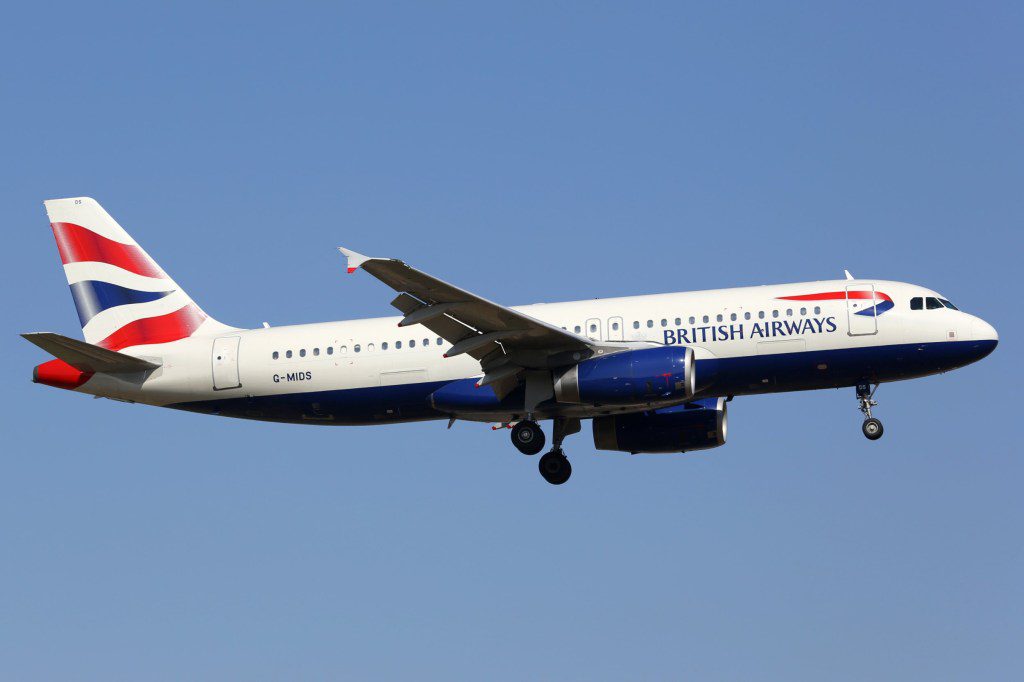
(504, 340)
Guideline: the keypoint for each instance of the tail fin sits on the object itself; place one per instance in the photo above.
(123, 297)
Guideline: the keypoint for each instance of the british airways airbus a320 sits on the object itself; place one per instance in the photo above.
(653, 373)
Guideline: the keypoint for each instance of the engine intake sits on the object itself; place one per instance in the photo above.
(697, 425)
(634, 377)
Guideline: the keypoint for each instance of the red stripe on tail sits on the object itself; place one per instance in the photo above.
(180, 324)
(78, 244)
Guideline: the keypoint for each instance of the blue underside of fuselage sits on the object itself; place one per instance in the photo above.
(718, 377)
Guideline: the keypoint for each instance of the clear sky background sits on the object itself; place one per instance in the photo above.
(528, 152)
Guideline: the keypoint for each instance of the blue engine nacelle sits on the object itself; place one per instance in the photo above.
(635, 377)
(696, 425)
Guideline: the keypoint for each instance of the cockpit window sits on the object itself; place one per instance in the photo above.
(948, 304)
(916, 303)
(932, 303)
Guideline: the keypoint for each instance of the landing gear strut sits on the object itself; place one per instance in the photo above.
(527, 437)
(871, 427)
(554, 466)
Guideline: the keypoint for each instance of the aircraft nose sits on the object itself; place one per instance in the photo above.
(983, 331)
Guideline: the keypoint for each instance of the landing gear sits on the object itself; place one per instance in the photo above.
(555, 467)
(527, 437)
(871, 427)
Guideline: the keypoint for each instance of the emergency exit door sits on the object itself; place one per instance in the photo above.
(225, 363)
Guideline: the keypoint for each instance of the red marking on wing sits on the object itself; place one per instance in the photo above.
(180, 324)
(78, 244)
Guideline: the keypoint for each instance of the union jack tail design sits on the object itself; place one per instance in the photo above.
(123, 297)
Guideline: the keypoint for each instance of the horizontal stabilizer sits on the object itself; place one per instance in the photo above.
(87, 357)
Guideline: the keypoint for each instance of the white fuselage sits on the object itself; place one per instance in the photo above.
(745, 332)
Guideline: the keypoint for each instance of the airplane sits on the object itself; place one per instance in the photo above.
(654, 374)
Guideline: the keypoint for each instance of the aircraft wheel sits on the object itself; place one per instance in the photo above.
(872, 429)
(528, 437)
(555, 467)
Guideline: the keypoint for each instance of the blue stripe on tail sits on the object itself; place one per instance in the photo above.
(93, 297)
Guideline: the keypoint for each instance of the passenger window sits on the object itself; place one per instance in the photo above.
(650, 323)
(916, 303)
(932, 303)
(817, 310)
(732, 317)
(439, 340)
(316, 351)
(330, 350)
(369, 348)
(276, 355)
(576, 329)
(760, 315)
(679, 321)
(287, 353)
(746, 316)
(789, 312)
(615, 326)
(302, 353)
(593, 328)
(718, 318)
(803, 311)
(636, 324)
(693, 320)
(356, 348)
(664, 323)
(412, 343)
(706, 319)
(398, 344)
(384, 345)
(426, 342)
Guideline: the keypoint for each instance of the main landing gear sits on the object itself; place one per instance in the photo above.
(529, 439)
(871, 427)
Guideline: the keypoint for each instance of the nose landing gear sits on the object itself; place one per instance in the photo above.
(871, 427)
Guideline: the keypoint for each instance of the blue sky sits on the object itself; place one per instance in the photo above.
(529, 152)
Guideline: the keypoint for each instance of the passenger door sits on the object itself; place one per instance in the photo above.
(615, 329)
(594, 329)
(225, 362)
(861, 312)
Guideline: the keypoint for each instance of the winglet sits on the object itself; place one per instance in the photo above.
(354, 259)
(848, 275)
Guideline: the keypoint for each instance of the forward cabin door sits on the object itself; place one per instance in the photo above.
(861, 309)
(225, 362)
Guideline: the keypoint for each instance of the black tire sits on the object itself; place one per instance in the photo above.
(528, 437)
(872, 429)
(555, 467)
